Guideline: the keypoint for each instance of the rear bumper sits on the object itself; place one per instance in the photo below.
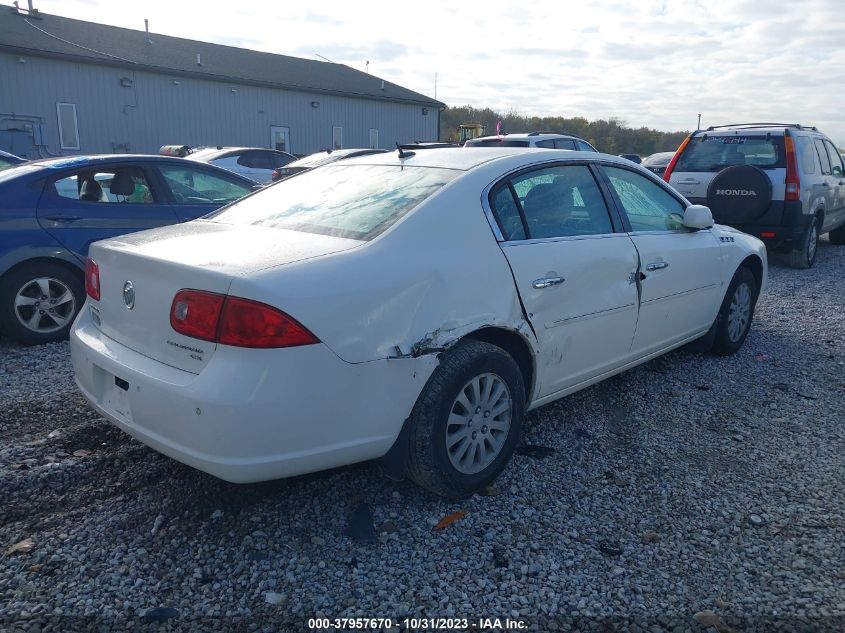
(251, 415)
(780, 228)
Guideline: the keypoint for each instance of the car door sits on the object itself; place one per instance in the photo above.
(827, 181)
(680, 272)
(837, 186)
(572, 269)
(196, 191)
(95, 202)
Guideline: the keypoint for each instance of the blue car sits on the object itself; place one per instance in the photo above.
(52, 210)
(9, 160)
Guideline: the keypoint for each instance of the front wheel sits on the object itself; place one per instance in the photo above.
(39, 301)
(467, 421)
(734, 320)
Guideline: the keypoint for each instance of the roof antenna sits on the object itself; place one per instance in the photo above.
(402, 152)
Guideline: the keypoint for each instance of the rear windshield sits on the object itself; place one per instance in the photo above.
(352, 201)
(494, 142)
(714, 153)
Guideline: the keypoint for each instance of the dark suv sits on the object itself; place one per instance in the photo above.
(783, 183)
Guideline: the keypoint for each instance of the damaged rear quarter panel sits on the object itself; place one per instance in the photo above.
(432, 278)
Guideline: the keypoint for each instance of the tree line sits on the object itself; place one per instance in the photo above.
(611, 136)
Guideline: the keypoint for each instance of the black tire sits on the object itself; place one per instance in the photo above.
(837, 236)
(805, 255)
(429, 464)
(726, 341)
(22, 280)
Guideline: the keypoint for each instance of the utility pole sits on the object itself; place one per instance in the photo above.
(698, 127)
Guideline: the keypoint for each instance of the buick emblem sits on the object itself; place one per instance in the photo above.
(129, 295)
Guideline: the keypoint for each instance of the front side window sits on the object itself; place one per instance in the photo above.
(496, 142)
(565, 143)
(548, 143)
(68, 128)
(562, 201)
(195, 186)
(352, 201)
(649, 206)
(128, 185)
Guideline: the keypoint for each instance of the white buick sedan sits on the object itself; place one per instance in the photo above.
(407, 307)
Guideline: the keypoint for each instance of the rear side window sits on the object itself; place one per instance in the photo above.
(128, 185)
(823, 156)
(564, 143)
(714, 153)
(352, 201)
(835, 159)
(586, 147)
(806, 154)
(561, 201)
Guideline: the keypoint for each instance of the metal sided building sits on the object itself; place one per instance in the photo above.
(74, 87)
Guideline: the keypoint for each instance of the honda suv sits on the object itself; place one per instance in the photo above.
(783, 183)
(549, 140)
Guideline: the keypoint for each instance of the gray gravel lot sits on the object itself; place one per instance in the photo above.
(687, 485)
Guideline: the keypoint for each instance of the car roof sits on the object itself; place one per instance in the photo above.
(63, 162)
(460, 159)
(206, 152)
(528, 135)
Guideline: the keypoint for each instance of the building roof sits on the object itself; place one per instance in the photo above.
(66, 38)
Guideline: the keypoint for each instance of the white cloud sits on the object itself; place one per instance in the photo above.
(650, 62)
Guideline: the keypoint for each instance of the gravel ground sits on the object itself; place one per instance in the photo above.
(691, 491)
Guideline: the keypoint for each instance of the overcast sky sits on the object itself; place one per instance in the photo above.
(650, 63)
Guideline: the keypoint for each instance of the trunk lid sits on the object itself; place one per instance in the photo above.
(147, 269)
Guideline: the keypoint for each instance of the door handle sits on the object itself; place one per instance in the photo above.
(547, 282)
(62, 219)
(689, 181)
(657, 265)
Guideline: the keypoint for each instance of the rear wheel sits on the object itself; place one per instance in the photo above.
(805, 255)
(734, 320)
(467, 421)
(39, 302)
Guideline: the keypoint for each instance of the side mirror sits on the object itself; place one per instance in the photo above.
(697, 216)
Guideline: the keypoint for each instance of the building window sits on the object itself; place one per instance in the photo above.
(68, 129)
(337, 138)
(373, 138)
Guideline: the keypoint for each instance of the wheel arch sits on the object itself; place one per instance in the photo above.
(755, 265)
(515, 345)
(69, 265)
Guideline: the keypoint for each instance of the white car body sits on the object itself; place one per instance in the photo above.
(255, 163)
(383, 311)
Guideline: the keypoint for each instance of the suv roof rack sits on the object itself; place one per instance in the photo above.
(745, 126)
(538, 133)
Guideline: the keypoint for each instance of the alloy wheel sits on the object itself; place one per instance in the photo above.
(479, 422)
(45, 305)
(739, 313)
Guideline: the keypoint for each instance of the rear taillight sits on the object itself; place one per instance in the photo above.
(235, 321)
(275, 175)
(196, 313)
(793, 182)
(671, 166)
(92, 279)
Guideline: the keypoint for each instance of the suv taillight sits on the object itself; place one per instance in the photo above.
(671, 166)
(793, 182)
(235, 321)
(92, 279)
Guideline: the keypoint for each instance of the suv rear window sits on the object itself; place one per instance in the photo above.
(714, 153)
